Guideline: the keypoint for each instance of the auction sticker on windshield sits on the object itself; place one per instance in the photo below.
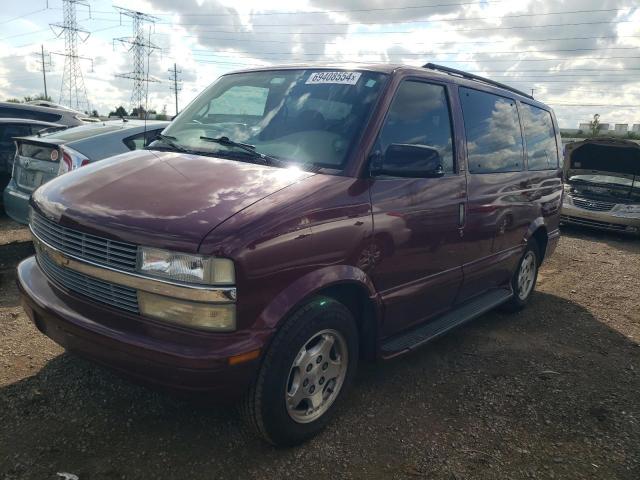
(343, 78)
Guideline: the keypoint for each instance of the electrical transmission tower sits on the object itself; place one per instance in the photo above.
(72, 90)
(175, 86)
(142, 49)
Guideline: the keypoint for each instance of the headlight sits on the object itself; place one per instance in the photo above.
(621, 210)
(184, 267)
(566, 198)
(219, 317)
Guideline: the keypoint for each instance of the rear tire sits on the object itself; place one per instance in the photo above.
(308, 368)
(524, 279)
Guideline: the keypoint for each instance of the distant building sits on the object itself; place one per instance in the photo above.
(617, 130)
(621, 129)
(586, 127)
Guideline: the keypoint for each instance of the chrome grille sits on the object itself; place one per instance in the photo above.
(117, 296)
(87, 247)
(594, 205)
(587, 222)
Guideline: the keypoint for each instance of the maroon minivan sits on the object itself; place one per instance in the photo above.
(293, 221)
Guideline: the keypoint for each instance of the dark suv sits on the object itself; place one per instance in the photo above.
(293, 221)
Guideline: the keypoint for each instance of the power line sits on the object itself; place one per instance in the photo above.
(23, 15)
(536, 82)
(400, 22)
(354, 10)
(397, 22)
(589, 105)
(500, 60)
(23, 34)
(412, 54)
(389, 32)
(473, 42)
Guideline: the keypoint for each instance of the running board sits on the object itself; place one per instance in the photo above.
(426, 332)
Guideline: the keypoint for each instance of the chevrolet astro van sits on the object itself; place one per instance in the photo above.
(293, 221)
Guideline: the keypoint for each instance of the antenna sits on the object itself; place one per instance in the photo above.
(141, 48)
(72, 90)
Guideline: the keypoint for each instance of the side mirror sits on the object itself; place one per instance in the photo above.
(405, 160)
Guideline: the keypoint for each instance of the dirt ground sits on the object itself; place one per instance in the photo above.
(551, 392)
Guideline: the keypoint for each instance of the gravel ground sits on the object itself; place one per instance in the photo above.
(551, 392)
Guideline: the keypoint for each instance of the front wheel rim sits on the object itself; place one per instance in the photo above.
(526, 275)
(316, 376)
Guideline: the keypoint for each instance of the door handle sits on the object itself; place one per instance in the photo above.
(461, 215)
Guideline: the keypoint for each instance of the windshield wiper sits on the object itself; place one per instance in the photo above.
(49, 129)
(250, 149)
(171, 141)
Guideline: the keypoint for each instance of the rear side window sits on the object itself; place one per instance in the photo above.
(141, 140)
(8, 112)
(494, 139)
(419, 115)
(540, 138)
(13, 130)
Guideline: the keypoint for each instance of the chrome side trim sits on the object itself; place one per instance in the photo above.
(194, 293)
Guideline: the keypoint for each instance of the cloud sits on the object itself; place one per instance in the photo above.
(576, 60)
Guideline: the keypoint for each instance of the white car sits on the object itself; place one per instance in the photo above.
(602, 184)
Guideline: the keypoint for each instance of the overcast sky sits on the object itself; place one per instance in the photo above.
(580, 56)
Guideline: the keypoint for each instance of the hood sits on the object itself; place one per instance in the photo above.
(162, 199)
(602, 156)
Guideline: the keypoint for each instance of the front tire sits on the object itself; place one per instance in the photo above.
(310, 364)
(524, 279)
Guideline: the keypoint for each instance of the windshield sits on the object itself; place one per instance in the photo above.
(309, 117)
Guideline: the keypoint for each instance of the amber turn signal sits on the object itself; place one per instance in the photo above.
(244, 357)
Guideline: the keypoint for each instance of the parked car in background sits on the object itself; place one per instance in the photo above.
(247, 252)
(80, 115)
(602, 184)
(11, 128)
(62, 116)
(39, 159)
(47, 103)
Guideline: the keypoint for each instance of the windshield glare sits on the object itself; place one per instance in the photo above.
(622, 180)
(305, 116)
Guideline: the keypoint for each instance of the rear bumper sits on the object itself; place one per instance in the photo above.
(16, 203)
(147, 353)
(601, 220)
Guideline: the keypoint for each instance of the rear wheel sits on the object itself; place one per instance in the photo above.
(310, 364)
(524, 279)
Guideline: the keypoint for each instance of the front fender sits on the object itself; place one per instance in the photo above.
(297, 292)
(533, 226)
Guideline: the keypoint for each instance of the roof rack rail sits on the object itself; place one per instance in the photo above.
(471, 76)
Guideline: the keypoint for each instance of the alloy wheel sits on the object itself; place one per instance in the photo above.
(316, 376)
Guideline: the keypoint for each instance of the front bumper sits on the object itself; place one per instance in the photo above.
(600, 220)
(144, 350)
(16, 203)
